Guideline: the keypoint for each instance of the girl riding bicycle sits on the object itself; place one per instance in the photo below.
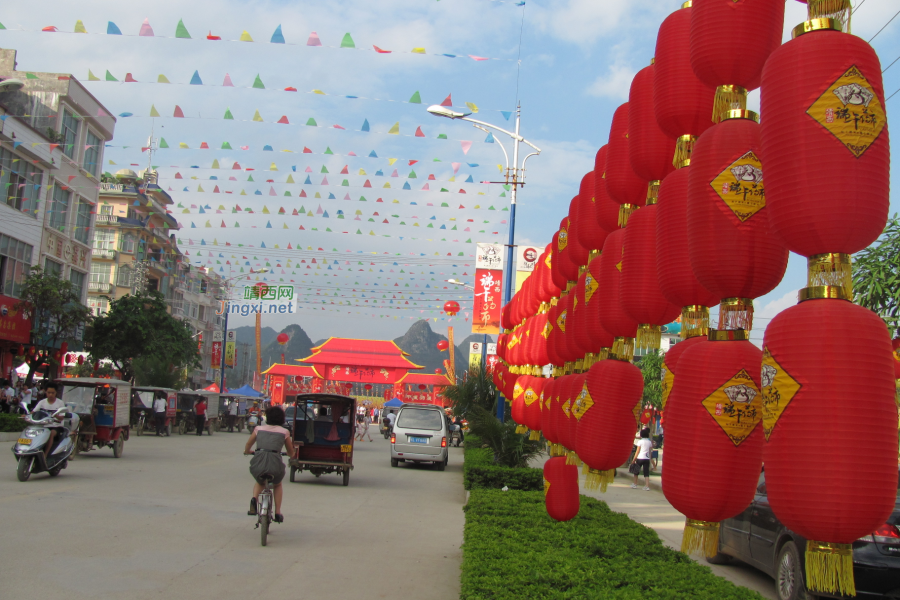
(267, 462)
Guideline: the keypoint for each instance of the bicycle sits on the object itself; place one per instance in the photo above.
(265, 507)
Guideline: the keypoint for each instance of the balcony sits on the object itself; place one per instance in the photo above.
(104, 254)
(112, 187)
(116, 220)
(102, 287)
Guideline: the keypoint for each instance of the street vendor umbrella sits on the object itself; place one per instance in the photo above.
(245, 390)
(393, 402)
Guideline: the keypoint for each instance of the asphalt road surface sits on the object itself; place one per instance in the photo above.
(169, 520)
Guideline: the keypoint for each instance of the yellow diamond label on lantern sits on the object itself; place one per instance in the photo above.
(590, 286)
(619, 264)
(736, 406)
(563, 240)
(574, 303)
(546, 400)
(778, 389)
(549, 260)
(740, 186)
(561, 321)
(565, 407)
(517, 391)
(668, 379)
(530, 397)
(636, 411)
(546, 488)
(582, 402)
(850, 110)
(548, 327)
(513, 340)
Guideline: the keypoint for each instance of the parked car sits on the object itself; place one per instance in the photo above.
(758, 538)
(420, 435)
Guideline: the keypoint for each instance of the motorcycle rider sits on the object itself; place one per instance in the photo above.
(51, 404)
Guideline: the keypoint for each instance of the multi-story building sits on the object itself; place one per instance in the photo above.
(201, 291)
(52, 137)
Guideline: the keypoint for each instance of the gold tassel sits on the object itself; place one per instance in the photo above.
(653, 192)
(591, 479)
(606, 478)
(521, 429)
(603, 354)
(684, 147)
(839, 10)
(571, 458)
(625, 211)
(694, 321)
(829, 568)
(535, 436)
(585, 469)
(649, 337)
(728, 97)
(623, 349)
(831, 269)
(700, 537)
(736, 313)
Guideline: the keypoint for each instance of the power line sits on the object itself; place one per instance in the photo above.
(885, 25)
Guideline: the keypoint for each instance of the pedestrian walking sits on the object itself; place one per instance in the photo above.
(642, 460)
(362, 428)
(159, 413)
(200, 415)
(232, 414)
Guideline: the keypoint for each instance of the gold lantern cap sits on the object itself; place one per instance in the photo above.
(739, 113)
(822, 292)
(728, 335)
(820, 24)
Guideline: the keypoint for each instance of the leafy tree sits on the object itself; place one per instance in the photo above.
(876, 281)
(56, 313)
(154, 371)
(87, 370)
(651, 368)
(475, 389)
(138, 326)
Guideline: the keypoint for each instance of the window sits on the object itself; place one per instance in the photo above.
(83, 222)
(98, 305)
(204, 284)
(77, 279)
(106, 209)
(126, 276)
(15, 259)
(20, 182)
(92, 147)
(51, 267)
(201, 314)
(59, 207)
(127, 243)
(69, 133)
(416, 418)
(101, 273)
(104, 239)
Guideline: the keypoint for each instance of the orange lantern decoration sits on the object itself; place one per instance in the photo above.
(712, 416)
(451, 307)
(561, 489)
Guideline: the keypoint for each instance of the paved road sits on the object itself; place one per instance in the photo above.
(168, 520)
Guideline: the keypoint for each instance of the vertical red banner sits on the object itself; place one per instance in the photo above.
(216, 360)
(278, 389)
(486, 308)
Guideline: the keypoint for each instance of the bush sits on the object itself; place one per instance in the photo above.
(11, 423)
(513, 550)
(480, 471)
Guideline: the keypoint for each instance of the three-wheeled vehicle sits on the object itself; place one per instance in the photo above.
(104, 409)
(324, 424)
(186, 399)
(147, 396)
(240, 419)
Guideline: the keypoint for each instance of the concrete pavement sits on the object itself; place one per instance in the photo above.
(168, 520)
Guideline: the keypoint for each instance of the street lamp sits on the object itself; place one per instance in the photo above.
(225, 327)
(513, 177)
(472, 288)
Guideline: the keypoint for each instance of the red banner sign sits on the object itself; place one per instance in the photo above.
(14, 327)
(216, 360)
(278, 389)
(486, 309)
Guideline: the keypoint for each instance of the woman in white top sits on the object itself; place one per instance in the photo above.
(642, 458)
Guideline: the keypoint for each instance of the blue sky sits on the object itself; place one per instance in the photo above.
(577, 61)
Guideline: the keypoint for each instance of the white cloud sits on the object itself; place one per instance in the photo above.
(764, 313)
(614, 84)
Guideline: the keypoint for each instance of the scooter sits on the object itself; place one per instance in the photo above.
(29, 448)
(252, 422)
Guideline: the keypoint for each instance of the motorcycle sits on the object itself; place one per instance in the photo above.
(29, 448)
(386, 428)
(252, 422)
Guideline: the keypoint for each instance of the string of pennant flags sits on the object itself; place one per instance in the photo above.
(313, 40)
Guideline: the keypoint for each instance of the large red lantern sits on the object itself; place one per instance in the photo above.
(600, 340)
(612, 316)
(451, 307)
(713, 441)
(733, 63)
(533, 389)
(604, 437)
(567, 248)
(732, 251)
(561, 489)
(443, 345)
(649, 149)
(833, 383)
(670, 365)
(622, 183)
(639, 292)
(80, 360)
(606, 210)
(590, 234)
(557, 277)
(283, 338)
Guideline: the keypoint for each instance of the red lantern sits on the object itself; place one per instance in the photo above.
(558, 278)
(283, 338)
(367, 387)
(713, 441)
(733, 63)
(732, 251)
(587, 227)
(599, 340)
(828, 392)
(561, 489)
(69, 359)
(517, 412)
(639, 292)
(622, 183)
(21, 351)
(650, 150)
(827, 154)
(533, 389)
(546, 400)
(673, 266)
(612, 316)
(578, 333)
(565, 246)
(540, 334)
(681, 102)
(606, 209)
(451, 307)
(64, 347)
(80, 360)
(670, 365)
(605, 408)
(422, 386)
(443, 345)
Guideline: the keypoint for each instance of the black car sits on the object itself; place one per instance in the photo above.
(758, 538)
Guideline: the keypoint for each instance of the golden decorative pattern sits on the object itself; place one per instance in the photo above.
(850, 110)
(517, 391)
(566, 407)
(778, 389)
(668, 380)
(583, 402)
(590, 286)
(736, 406)
(740, 186)
(561, 321)
(530, 397)
(563, 240)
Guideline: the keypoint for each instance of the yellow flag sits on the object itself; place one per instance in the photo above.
(391, 161)
(265, 210)
(245, 37)
(257, 117)
(215, 164)
(418, 50)
(274, 167)
(472, 106)
(395, 129)
(290, 179)
(162, 79)
(320, 92)
(92, 77)
(182, 145)
(79, 27)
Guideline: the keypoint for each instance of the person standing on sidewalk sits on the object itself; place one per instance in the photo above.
(200, 415)
(642, 459)
(159, 413)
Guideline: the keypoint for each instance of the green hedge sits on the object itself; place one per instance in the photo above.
(10, 422)
(513, 550)
(480, 472)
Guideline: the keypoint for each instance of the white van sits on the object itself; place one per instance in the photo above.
(421, 434)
